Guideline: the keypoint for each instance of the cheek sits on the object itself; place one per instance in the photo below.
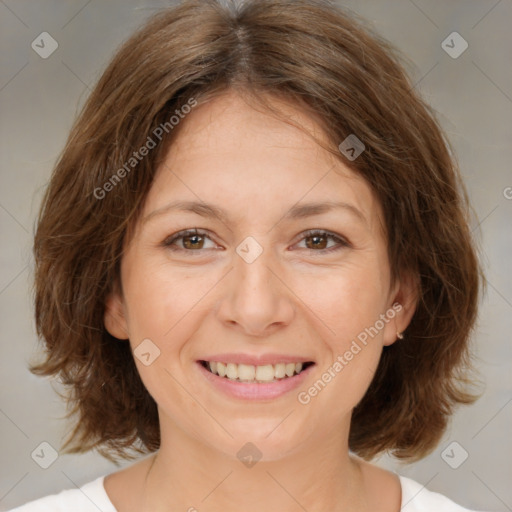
(162, 308)
(166, 305)
(347, 306)
(346, 300)
(161, 297)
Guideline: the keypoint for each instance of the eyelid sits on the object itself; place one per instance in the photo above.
(183, 233)
(341, 241)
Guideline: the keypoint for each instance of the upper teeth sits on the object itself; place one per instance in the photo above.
(249, 372)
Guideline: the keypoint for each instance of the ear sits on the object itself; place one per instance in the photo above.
(115, 315)
(403, 303)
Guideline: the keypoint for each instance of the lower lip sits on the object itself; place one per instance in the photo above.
(253, 390)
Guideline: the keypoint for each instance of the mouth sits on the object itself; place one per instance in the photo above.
(256, 374)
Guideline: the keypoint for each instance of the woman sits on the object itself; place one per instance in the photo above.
(253, 264)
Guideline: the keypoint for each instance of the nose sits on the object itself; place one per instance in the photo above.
(255, 299)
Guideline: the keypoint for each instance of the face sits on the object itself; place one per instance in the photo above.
(265, 282)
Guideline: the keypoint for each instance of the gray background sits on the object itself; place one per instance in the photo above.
(38, 101)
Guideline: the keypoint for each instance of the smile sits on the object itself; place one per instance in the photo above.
(255, 374)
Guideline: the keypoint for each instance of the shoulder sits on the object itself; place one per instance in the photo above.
(417, 498)
(91, 497)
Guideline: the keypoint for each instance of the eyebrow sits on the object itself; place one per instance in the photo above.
(298, 211)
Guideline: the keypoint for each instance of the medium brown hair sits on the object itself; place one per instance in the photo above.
(309, 52)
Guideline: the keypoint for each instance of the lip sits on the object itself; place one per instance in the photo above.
(255, 391)
(256, 360)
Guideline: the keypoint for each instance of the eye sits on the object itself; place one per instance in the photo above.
(192, 240)
(317, 241)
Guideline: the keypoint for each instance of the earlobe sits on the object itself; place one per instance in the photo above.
(114, 317)
(404, 305)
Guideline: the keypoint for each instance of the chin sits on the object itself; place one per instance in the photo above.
(264, 440)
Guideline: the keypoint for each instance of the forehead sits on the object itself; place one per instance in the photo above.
(245, 160)
(234, 122)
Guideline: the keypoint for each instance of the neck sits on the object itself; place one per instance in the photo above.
(188, 475)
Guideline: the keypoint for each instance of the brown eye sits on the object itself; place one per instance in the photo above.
(192, 240)
(317, 241)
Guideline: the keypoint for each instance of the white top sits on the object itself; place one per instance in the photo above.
(92, 497)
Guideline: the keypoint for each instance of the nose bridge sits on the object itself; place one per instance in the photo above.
(256, 298)
(253, 267)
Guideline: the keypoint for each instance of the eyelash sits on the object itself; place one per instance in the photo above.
(342, 243)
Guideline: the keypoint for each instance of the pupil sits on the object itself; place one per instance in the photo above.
(188, 238)
(318, 237)
(318, 241)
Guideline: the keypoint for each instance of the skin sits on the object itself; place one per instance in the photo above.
(292, 299)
